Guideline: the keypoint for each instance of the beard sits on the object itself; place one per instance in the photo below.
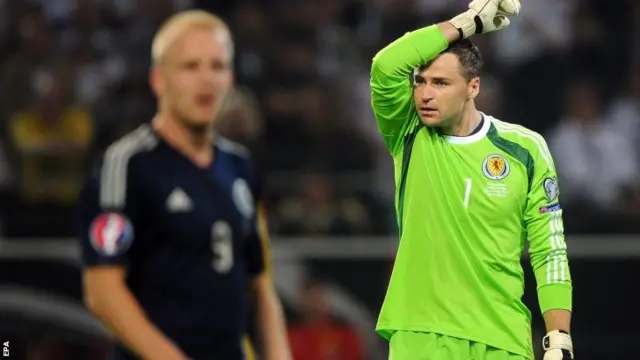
(196, 128)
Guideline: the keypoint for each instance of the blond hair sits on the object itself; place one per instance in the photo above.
(177, 24)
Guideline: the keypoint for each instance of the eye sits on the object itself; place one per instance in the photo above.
(219, 65)
(190, 65)
(439, 83)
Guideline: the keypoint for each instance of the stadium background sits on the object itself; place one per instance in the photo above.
(569, 69)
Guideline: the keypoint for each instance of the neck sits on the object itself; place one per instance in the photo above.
(195, 145)
(465, 124)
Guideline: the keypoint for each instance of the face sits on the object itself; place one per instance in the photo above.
(194, 76)
(441, 91)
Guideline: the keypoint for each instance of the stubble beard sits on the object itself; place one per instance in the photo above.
(195, 128)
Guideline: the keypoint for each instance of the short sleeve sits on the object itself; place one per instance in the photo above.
(257, 254)
(258, 245)
(108, 212)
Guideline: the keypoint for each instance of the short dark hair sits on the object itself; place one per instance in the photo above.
(469, 56)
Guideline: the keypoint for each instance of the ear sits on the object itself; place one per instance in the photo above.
(473, 88)
(156, 80)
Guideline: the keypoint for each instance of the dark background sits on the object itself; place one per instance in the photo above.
(568, 69)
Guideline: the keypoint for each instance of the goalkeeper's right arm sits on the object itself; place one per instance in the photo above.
(418, 47)
(391, 90)
(414, 49)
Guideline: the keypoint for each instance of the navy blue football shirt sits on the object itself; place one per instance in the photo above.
(189, 236)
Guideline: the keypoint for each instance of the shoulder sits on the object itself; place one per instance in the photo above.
(534, 143)
(125, 151)
(112, 173)
(232, 148)
(239, 154)
(531, 140)
(242, 161)
(140, 140)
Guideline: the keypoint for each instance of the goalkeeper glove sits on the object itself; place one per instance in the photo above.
(557, 345)
(485, 16)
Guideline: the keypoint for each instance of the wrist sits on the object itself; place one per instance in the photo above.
(557, 339)
(466, 23)
(165, 350)
(450, 32)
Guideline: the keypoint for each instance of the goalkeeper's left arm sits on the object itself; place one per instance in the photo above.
(548, 252)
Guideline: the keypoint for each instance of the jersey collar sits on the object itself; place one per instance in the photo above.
(486, 125)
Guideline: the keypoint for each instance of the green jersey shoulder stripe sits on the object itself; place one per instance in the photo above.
(535, 138)
(410, 138)
(514, 149)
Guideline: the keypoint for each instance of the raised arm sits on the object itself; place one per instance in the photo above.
(391, 83)
(391, 89)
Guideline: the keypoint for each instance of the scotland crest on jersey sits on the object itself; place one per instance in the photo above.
(495, 167)
(242, 198)
(111, 234)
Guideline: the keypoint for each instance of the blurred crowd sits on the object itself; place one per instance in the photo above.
(75, 78)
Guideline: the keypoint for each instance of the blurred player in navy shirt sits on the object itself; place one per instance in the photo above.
(171, 226)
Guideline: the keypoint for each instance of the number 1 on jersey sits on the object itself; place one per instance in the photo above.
(467, 192)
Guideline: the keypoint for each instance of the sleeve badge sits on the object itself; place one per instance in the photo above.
(111, 234)
(551, 188)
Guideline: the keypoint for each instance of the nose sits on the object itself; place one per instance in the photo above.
(428, 93)
(208, 81)
(207, 75)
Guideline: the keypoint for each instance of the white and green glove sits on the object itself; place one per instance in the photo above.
(485, 16)
(557, 345)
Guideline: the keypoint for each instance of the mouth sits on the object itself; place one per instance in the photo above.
(205, 100)
(428, 111)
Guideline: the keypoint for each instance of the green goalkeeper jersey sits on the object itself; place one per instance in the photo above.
(466, 206)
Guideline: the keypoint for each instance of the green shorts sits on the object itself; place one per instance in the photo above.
(408, 345)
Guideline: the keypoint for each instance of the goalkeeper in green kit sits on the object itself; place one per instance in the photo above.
(471, 189)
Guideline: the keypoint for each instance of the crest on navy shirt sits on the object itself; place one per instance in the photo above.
(241, 194)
